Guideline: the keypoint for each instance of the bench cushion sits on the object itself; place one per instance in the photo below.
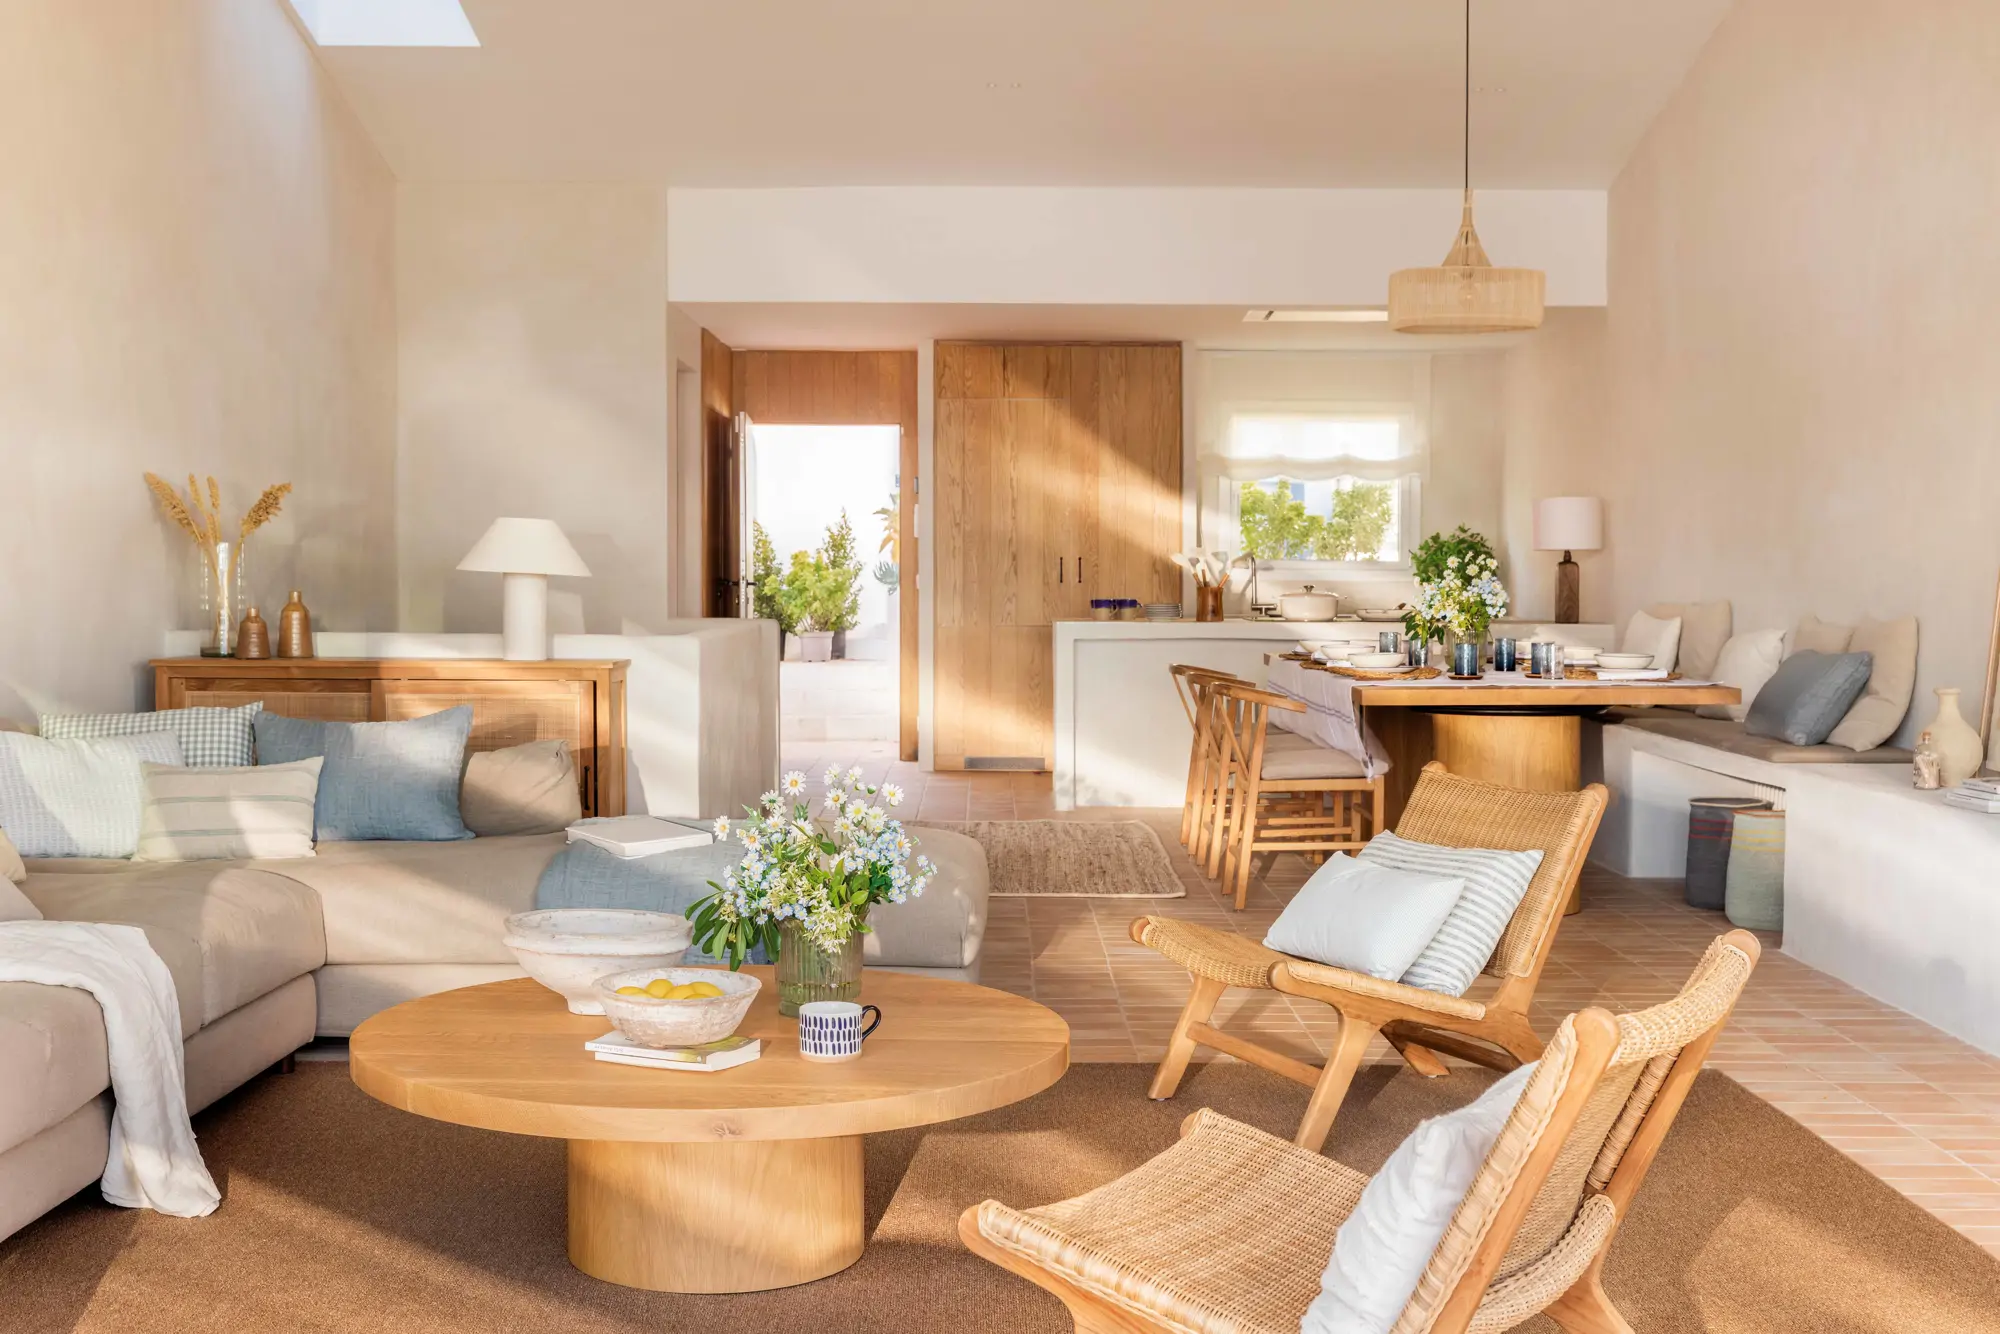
(1729, 736)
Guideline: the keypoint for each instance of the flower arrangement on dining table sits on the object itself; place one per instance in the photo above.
(1459, 593)
(818, 875)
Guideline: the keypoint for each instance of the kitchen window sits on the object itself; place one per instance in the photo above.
(1319, 493)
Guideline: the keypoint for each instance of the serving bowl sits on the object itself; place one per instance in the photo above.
(1625, 662)
(1375, 661)
(652, 1022)
(1332, 647)
(568, 949)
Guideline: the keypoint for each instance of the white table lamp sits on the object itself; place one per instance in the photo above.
(1569, 524)
(524, 553)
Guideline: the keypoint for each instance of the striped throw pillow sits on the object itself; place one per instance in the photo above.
(1495, 883)
(228, 814)
(209, 738)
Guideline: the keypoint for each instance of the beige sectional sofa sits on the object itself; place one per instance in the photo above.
(265, 955)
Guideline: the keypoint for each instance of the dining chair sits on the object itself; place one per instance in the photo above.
(1444, 808)
(1140, 1255)
(1192, 685)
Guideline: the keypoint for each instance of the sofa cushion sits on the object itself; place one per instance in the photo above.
(945, 926)
(53, 1057)
(1729, 736)
(1705, 628)
(1892, 679)
(221, 814)
(228, 932)
(209, 737)
(11, 869)
(76, 798)
(525, 789)
(1808, 696)
(382, 780)
(395, 902)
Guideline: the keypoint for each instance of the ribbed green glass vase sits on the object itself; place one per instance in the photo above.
(809, 973)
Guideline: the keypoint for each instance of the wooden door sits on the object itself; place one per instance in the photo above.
(1053, 474)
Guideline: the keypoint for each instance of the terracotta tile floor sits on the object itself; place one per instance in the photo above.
(1917, 1107)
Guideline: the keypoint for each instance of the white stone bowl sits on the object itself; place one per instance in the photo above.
(568, 949)
(652, 1022)
(1375, 661)
(1623, 662)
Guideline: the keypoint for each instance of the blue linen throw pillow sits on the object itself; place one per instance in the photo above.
(1808, 696)
(380, 780)
(584, 875)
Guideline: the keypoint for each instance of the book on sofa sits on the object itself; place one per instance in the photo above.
(629, 837)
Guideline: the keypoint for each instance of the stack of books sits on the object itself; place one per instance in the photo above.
(1976, 794)
(633, 836)
(710, 1056)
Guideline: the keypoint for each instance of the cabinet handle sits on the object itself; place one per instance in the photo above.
(1079, 569)
(1059, 569)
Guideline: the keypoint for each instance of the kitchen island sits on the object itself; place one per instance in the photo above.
(1121, 734)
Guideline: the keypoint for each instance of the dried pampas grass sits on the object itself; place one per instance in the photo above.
(203, 521)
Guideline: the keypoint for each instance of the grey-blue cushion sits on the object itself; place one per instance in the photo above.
(380, 780)
(584, 875)
(1808, 696)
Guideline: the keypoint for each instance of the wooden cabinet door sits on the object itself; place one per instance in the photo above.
(323, 701)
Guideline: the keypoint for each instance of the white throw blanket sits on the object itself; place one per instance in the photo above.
(154, 1163)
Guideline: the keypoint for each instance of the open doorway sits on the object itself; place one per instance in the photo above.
(824, 521)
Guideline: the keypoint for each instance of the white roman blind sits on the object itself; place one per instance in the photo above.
(1314, 416)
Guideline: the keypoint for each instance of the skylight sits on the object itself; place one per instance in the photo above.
(386, 22)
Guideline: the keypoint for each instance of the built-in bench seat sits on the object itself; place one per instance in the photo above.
(1724, 735)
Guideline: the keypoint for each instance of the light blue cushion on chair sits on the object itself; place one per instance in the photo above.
(381, 780)
(1808, 696)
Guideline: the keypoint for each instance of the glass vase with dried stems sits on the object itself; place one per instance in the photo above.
(200, 517)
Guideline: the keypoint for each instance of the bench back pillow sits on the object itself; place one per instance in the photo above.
(76, 798)
(1748, 660)
(263, 811)
(1495, 884)
(380, 780)
(210, 738)
(1808, 696)
(1892, 680)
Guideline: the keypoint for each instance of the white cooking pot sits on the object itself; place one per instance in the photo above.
(1306, 605)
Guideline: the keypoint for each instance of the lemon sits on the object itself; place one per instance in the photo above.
(661, 988)
(703, 990)
(631, 991)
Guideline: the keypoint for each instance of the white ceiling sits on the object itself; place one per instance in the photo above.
(1028, 92)
(856, 325)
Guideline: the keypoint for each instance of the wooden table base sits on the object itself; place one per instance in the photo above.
(735, 1216)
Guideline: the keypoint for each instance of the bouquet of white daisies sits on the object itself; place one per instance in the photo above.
(822, 873)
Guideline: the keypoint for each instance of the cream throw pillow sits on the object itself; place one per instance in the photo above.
(1369, 918)
(1650, 634)
(1381, 1251)
(1817, 636)
(1748, 660)
(259, 811)
(525, 789)
(1705, 628)
(1892, 679)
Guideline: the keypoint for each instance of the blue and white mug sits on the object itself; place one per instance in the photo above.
(832, 1031)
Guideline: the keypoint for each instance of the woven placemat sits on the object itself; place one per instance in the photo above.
(1367, 674)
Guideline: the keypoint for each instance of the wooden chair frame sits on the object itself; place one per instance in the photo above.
(1193, 687)
(1584, 1307)
(1266, 816)
(1419, 1024)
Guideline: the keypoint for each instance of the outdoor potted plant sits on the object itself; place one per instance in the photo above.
(806, 883)
(843, 593)
(767, 597)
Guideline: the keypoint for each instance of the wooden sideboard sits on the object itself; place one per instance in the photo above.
(581, 702)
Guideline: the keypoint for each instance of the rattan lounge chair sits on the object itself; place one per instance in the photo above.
(1228, 1231)
(1443, 808)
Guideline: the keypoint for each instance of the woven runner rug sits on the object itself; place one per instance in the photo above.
(339, 1213)
(1087, 859)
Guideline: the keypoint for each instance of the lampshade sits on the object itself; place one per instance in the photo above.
(525, 546)
(1569, 523)
(1467, 294)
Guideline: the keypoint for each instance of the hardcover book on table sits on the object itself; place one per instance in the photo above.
(709, 1056)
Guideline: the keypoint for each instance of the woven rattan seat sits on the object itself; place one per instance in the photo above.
(1443, 808)
(1228, 1231)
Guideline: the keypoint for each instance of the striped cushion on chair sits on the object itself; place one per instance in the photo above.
(228, 814)
(1495, 883)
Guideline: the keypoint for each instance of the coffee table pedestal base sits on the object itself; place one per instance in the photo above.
(735, 1216)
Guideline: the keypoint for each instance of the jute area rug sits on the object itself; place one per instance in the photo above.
(1099, 859)
(342, 1214)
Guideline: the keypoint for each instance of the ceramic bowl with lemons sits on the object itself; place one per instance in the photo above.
(677, 1007)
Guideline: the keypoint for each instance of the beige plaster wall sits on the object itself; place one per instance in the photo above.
(195, 274)
(1802, 413)
(534, 380)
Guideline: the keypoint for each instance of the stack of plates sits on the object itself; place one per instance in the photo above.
(1163, 611)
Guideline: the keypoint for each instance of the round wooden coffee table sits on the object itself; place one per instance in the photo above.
(733, 1181)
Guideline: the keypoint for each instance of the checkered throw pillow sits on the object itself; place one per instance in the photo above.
(210, 738)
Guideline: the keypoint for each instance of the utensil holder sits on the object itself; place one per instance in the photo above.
(1208, 603)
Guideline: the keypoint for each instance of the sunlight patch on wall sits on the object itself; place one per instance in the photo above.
(386, 22)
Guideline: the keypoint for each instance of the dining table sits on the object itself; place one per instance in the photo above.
(1510, 728)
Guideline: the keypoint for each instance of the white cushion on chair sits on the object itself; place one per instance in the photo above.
(1370, 919)
(1380, 1252)
(1287, 755)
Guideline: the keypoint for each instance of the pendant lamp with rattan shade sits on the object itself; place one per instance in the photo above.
(1466, 294)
